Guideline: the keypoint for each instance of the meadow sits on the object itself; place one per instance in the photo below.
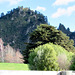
(14, 66)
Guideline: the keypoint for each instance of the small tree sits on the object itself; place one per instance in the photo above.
(43, 58)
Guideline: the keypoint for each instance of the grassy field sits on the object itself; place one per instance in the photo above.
(13, 66)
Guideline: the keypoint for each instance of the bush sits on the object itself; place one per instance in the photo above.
(64, 57)
(48, 56)
(43, 58)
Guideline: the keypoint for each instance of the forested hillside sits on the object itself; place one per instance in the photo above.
(16, 25)
(26, 37)
(67, 32)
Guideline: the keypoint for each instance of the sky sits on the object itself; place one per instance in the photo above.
(57, 11)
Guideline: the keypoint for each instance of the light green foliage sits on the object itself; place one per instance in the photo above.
(14, 66)
(43, 58)
(64, 57)
(60, 50)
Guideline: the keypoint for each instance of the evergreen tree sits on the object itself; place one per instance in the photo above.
(46, 33)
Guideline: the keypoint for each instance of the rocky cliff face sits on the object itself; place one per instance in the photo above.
(67, 32)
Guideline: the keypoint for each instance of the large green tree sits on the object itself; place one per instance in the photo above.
(47, 33)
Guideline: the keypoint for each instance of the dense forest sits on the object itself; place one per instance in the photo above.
(16, 25)
(29, 39)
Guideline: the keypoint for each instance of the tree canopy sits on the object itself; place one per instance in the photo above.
(43, 58)
(45, 34)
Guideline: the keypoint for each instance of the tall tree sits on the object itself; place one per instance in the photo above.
(46, 33)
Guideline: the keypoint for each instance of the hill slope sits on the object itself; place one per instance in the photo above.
(67, 32)
(16, 25)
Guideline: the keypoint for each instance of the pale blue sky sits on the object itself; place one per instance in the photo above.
(57, 11)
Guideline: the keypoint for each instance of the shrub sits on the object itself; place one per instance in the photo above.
(64, 57)
(43, 58)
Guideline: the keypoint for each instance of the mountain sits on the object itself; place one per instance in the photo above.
(64, 30)
(67, 32)
(16, 25)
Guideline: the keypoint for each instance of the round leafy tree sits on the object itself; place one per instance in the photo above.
(43, 58)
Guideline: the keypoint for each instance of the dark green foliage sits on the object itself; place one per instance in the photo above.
(45, 33)
(72, 36)
(72, 67)
(43, 58)
(40, 36)
(2, 14)
(16, 25)
(64, 30)
(67, 32)
(65, 42)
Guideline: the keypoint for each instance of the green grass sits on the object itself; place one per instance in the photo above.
(14, 66)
